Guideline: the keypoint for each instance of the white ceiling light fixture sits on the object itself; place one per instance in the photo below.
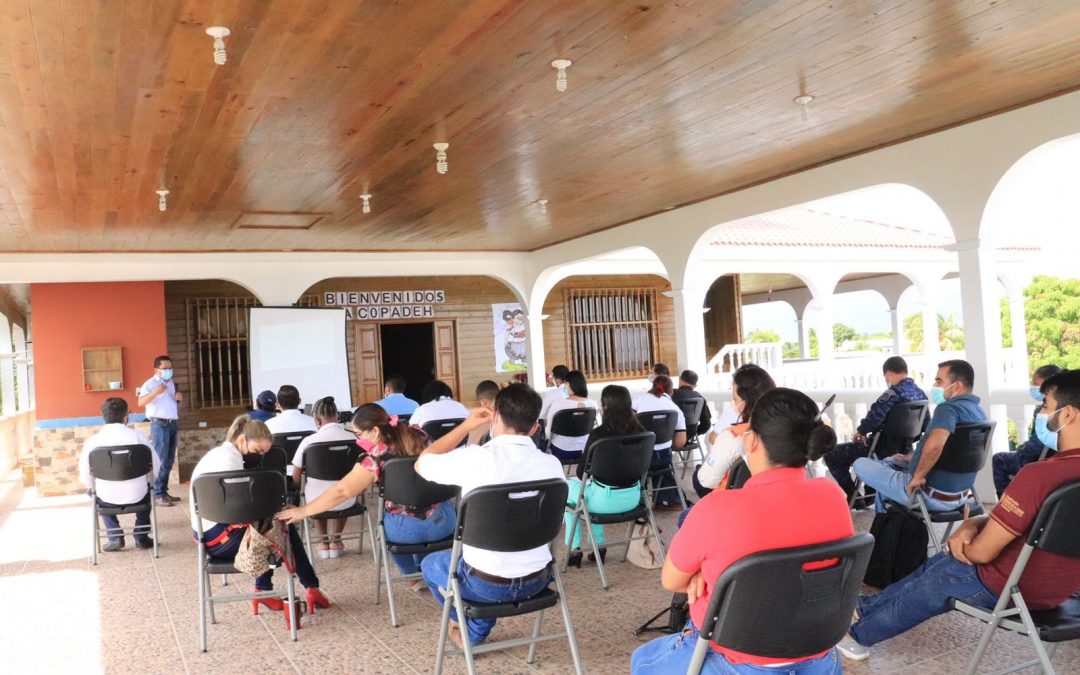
(542, 205)
(366, 208)
(804, 101)
(161, 204)
(219, 33)
(441, 164)
(560, 65)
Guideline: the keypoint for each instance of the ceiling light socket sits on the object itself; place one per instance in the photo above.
(542, 204)
(560, 65)
(805, 99)
(441, 164)
(367, 203)
(161, 204)
(219, 33)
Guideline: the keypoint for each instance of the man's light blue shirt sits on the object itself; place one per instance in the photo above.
(398, 404)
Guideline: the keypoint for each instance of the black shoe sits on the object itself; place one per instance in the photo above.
(574, 560)
(113, 545)
(143, 543)
(171, 498)
(603, 555)
(163, 501)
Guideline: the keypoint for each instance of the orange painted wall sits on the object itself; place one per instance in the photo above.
(68, 317)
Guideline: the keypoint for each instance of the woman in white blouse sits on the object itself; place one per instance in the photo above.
(438, 404)
(569, 448)
(330, 431)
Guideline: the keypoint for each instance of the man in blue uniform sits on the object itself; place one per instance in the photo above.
(1008, 464)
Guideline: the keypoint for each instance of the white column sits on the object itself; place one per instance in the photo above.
(1020, 373)
(20, 368)
(804, 336)
(535, 340)
(689, 328)
(7, 369)
(897, 329)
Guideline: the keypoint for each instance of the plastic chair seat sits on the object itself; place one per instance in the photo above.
(120, 509)
(956, 515)
(542, 600)
(624, 517)
(357, 509)
(1061, 624)
(220, 566)
(424, 547)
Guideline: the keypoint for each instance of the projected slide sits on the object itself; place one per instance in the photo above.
(301, 347)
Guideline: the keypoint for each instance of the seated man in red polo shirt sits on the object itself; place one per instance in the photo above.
(983, 551)
(779, 507)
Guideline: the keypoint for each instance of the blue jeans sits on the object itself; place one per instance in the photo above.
(163, 436)
(406, 529)
(565, 456)
(891, 483)
(112, 523)
(601, 499)
(923, 594)
(672, 654)
(227, 549)
(436, 569)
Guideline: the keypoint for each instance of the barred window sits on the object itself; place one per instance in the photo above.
(612, 332)
(217, 331)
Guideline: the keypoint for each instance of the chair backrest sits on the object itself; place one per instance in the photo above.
(436, 429)
(660, 422)
(691, 410)
(1055, 529)
(399, 483)
(239, 496)
(330, 460)
(620, 461)
(120, 462)
(738, 474)
(289, 442)
(781, 604)
(967, 448)
(274, 458)
(905, 421)
(573, 422)
(404, 419)
(512, 517)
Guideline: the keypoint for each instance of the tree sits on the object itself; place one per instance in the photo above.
(1052, 318)
(763, 335)
(792, 351)
(950, 334)
(842, 333)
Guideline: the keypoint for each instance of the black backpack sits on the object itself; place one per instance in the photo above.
(900, 541)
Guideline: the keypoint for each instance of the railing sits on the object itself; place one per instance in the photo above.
(768, 355)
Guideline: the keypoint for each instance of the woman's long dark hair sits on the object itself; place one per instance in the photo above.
(575, 380)
(402, 439)
(618, 411)
(790, 427)
(750, 382)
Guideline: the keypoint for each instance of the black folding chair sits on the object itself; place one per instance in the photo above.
(738, 474)
(691, 410)
(508, 518)
(618, 462)
(332, 460)
(966, 451)
(573, 422)
(662, 423)
(1054, 532)
(288, 442)
(236, 497)
(903, 425)
(121, 462)
(816, 602)
(400, 484)
(274, 458)
(436, 429)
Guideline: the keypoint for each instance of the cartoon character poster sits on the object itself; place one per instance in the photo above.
(510, 335)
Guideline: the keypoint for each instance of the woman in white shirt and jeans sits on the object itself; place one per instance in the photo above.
(569, 448)
(330, 431)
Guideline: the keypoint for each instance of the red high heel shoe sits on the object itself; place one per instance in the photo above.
(315, 598)
(273, 604)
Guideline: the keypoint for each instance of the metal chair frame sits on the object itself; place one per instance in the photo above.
(691, 409)
(139, 461)
(646, 419)
(887, 426)
(352, 455)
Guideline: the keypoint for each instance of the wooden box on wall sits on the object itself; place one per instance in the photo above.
(102, 365)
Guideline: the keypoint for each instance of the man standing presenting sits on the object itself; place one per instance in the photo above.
(160, 398)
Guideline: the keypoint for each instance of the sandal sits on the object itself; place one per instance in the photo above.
(324, 552)
(336, 549)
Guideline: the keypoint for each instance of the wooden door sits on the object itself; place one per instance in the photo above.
(368, 363)
(446, 356)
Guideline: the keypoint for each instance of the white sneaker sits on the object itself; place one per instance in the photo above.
(853, 650)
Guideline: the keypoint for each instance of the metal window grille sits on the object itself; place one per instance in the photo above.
(612, 333)
(218, 351)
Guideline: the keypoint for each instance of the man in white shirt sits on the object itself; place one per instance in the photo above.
(114, 411)
(161, 400)
(439, 404)
(291, 418)
(510, 457)
(659, 399)
(561, 391)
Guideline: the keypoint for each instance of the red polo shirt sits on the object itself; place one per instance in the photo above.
(780, 508)
(1048, 578)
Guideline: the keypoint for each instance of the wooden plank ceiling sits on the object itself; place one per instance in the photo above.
(669, 103)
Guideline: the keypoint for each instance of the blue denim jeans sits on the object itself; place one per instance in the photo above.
(163, 436)
(436, 569)
(405, 529)
(672, 654)
(112, 523)
(601, 499)
(923, 594)
(227, 549)
(891, 483)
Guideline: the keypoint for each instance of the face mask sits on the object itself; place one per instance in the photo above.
(166, 374)
(564, 387)
(1036, 394)
(937, 394)
(1042, 430)
(652, 376)
(365, 444)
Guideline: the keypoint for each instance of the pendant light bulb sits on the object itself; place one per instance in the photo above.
(366, 208)
(219, 33)
(560, 66)
(162, 204)
(441, 164)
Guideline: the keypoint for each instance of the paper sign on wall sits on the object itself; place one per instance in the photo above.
(510, 337)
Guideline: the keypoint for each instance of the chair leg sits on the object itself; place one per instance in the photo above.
(656, 531)
(573, 530)
(294, 618)
(587, 527)
(984, 642)
(535, 636)
(459, 605)
(389, 587)
(570, 637)
(629, 533)
(1033, 632)
(153, 525)
(371, 534)
(380, 554)
(95, 530)
(307, 542)
(202, 603)
(444, 628)
(210, 598)
(701, 649)
(929, 525)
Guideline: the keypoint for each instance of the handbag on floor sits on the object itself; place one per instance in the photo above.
(900, 541)
(263, 548)
(643, 552)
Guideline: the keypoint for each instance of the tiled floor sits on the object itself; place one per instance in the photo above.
(134, 614)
